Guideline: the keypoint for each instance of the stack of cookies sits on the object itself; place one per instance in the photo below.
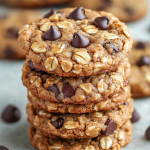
(77, 76)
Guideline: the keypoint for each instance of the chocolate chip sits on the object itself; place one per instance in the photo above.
(111, 47)
(129, 11)
(147, 133)
(77, 14)
(40, 71)
(58, 123)
(80, 41)
(111, 127)
(68, 90)
(54, 89)
(105, 4)
(52, 34)
(50, 13)
(145, 60)
(135, 116)
(3, 148)
(102, 23)
(94, 139)
(11, 114)
(141, 45)
(31, 65)
(12, 33)
(126, 103)
(9, 52)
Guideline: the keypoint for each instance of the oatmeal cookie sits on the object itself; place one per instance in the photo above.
(120, 138)
(76, 42)
(125, 10)
(9, 28)
(70, 126)
(140, 69)
(58, 107)
(79, 90)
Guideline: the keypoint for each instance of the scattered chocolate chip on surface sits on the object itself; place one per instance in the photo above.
(3, 148)
(135, 116)
(147, 133)
(11, 114)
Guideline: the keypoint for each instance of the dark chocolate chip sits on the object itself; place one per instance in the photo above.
(31, 65)
(3, 148)
(54, 89)
(111, 47)
(102, 23)
(52, 34)
(126, 103)
(111, 127)
(58, 123)
(35, 69)
(9, 52)
(147, 133)
(77, 14)
(40, 71)
(94, 139)
(105, 4)
(68, 90)
(50, 13)
(80, 41)
(135, 116)
(12, 33)
(129, 11)
(145, 60)
(11, 114)
(141, 45)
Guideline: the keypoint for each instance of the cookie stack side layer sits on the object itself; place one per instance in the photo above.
(77, 90)
(77, 76)
(120, 138)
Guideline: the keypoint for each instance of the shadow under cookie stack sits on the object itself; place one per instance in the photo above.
(77, 76)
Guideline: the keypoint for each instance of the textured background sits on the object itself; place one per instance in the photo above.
(14, 136)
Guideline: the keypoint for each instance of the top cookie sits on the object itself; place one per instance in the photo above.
(76, 42)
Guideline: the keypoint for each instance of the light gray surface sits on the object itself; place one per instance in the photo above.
(14, 136)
